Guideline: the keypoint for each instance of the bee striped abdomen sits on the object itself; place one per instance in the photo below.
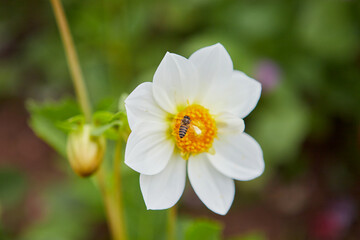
(182, 131)
(185, 124)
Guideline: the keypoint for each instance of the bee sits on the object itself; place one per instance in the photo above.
(185, 124)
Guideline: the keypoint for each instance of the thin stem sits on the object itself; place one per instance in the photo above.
(112, 209)
(117, 186)
(72, 58)
(112, 197)
(171, 226)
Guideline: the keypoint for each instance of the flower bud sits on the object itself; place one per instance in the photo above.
(85, 152)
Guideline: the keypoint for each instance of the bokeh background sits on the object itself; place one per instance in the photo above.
(305, 53)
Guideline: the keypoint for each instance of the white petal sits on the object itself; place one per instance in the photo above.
(244, 94)
(163, 190)
(175, 82)
(229, 123)
(239, 95)
(148, 148)
(238, 156)
(213, 63)
(141, 106)
(214, 189)
(215, 69)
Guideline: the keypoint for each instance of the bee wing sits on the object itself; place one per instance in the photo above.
(196, 129)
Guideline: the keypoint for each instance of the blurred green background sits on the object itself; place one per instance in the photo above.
(305, 53)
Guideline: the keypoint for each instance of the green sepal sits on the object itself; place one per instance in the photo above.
(71, 124)
(110, 130)
(111, 125)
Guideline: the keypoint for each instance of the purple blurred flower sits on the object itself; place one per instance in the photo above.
(333, 222)
(268, 73)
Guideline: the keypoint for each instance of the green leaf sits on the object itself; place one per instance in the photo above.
(204, 230)
(45, 118)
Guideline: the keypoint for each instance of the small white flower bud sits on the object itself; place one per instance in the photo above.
(85, 152)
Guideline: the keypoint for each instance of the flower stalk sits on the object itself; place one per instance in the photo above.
(111, 193)
(72, 59)
(117, 189)
(112, 207)
(171, 224)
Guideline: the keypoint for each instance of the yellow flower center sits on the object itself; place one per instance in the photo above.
(197, 135)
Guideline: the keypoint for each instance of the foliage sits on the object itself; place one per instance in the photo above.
(46, 117)
(204, 229)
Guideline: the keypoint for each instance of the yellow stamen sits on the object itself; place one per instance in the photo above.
(200, 134)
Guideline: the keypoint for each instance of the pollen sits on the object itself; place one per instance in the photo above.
(200, 132)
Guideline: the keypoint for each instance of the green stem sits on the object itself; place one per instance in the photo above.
(111, 194)
(113, 212)
(171, 226)
(72, 58)
(117, 187)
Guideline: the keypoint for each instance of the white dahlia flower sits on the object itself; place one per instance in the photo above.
(192, 115)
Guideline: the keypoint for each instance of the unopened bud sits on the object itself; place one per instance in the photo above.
(85, 152)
